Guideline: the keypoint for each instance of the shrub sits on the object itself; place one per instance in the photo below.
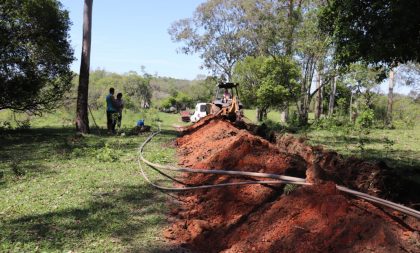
(365, 119)
(107, 154)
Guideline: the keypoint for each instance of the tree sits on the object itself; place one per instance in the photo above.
(313, 50)
(384, 32)
(226, 31)
(214, 32)
(333, 92)
(138, 88)
(82, 119)
(361, 79)
(35, 55)
(178, 100)
(390, 98)
(204, 89)
(267, 82)
(280, 82)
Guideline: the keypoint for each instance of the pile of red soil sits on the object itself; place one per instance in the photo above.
(261, 218)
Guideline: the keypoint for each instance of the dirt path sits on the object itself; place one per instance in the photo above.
(262, 218)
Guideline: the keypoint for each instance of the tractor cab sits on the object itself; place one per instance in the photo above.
(225, 94)
(226, 103)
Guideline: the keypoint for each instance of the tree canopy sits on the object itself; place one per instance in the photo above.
(215, 33)
(35, 54)
(138, 89)
(267, 81)
(374, 31)
(225, 31)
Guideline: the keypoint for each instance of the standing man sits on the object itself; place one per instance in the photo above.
(120, 105)
(110, 111)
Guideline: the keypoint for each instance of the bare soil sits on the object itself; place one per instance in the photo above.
(263, 218)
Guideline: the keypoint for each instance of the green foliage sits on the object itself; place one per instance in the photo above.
(279, 82)
(365, 119)
(361, 76)
(179, 100)
(274, 126)
(5, 125)
(248, 73)
(35, 55)
(203, 90)
(213, 33)
(289, 188)
(373, 31)
(267, 82)
(168, 102)
(335, 123)
(406, 112)
(161, 92)
(183, 100)
(224, 32)
(108, 154)
(138, 90)
(388, 144)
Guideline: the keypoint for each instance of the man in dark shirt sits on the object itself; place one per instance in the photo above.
(111, 111)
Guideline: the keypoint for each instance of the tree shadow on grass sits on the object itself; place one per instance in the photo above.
(399, 159)
(39, 146)
(127, 217)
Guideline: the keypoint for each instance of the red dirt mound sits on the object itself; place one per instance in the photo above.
(260, 218)
(219, 145)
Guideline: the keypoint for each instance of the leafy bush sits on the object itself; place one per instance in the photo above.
(107, 154)
(331, 123)
(5, 125)
(365, 119)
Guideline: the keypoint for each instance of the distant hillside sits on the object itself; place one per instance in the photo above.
(161, 87)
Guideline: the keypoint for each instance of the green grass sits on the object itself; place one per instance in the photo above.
(399, 148)
(252, 115)
(60, 192)
(65, 118)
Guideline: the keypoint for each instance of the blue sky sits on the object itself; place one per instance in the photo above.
(131, 33)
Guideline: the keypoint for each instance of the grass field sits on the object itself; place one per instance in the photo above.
(62, 192)
(399, 148)
(65, 192)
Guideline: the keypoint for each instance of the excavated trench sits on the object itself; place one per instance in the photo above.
(267, 218)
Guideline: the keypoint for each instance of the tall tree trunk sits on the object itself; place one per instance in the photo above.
(291, 23)
(261, 114)
(284, 115)
(318, 106)
(291, 28)
(258, 116)
(332, 96)
(390, 98)
(82, 119)
(305, 88)
(351, 107)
